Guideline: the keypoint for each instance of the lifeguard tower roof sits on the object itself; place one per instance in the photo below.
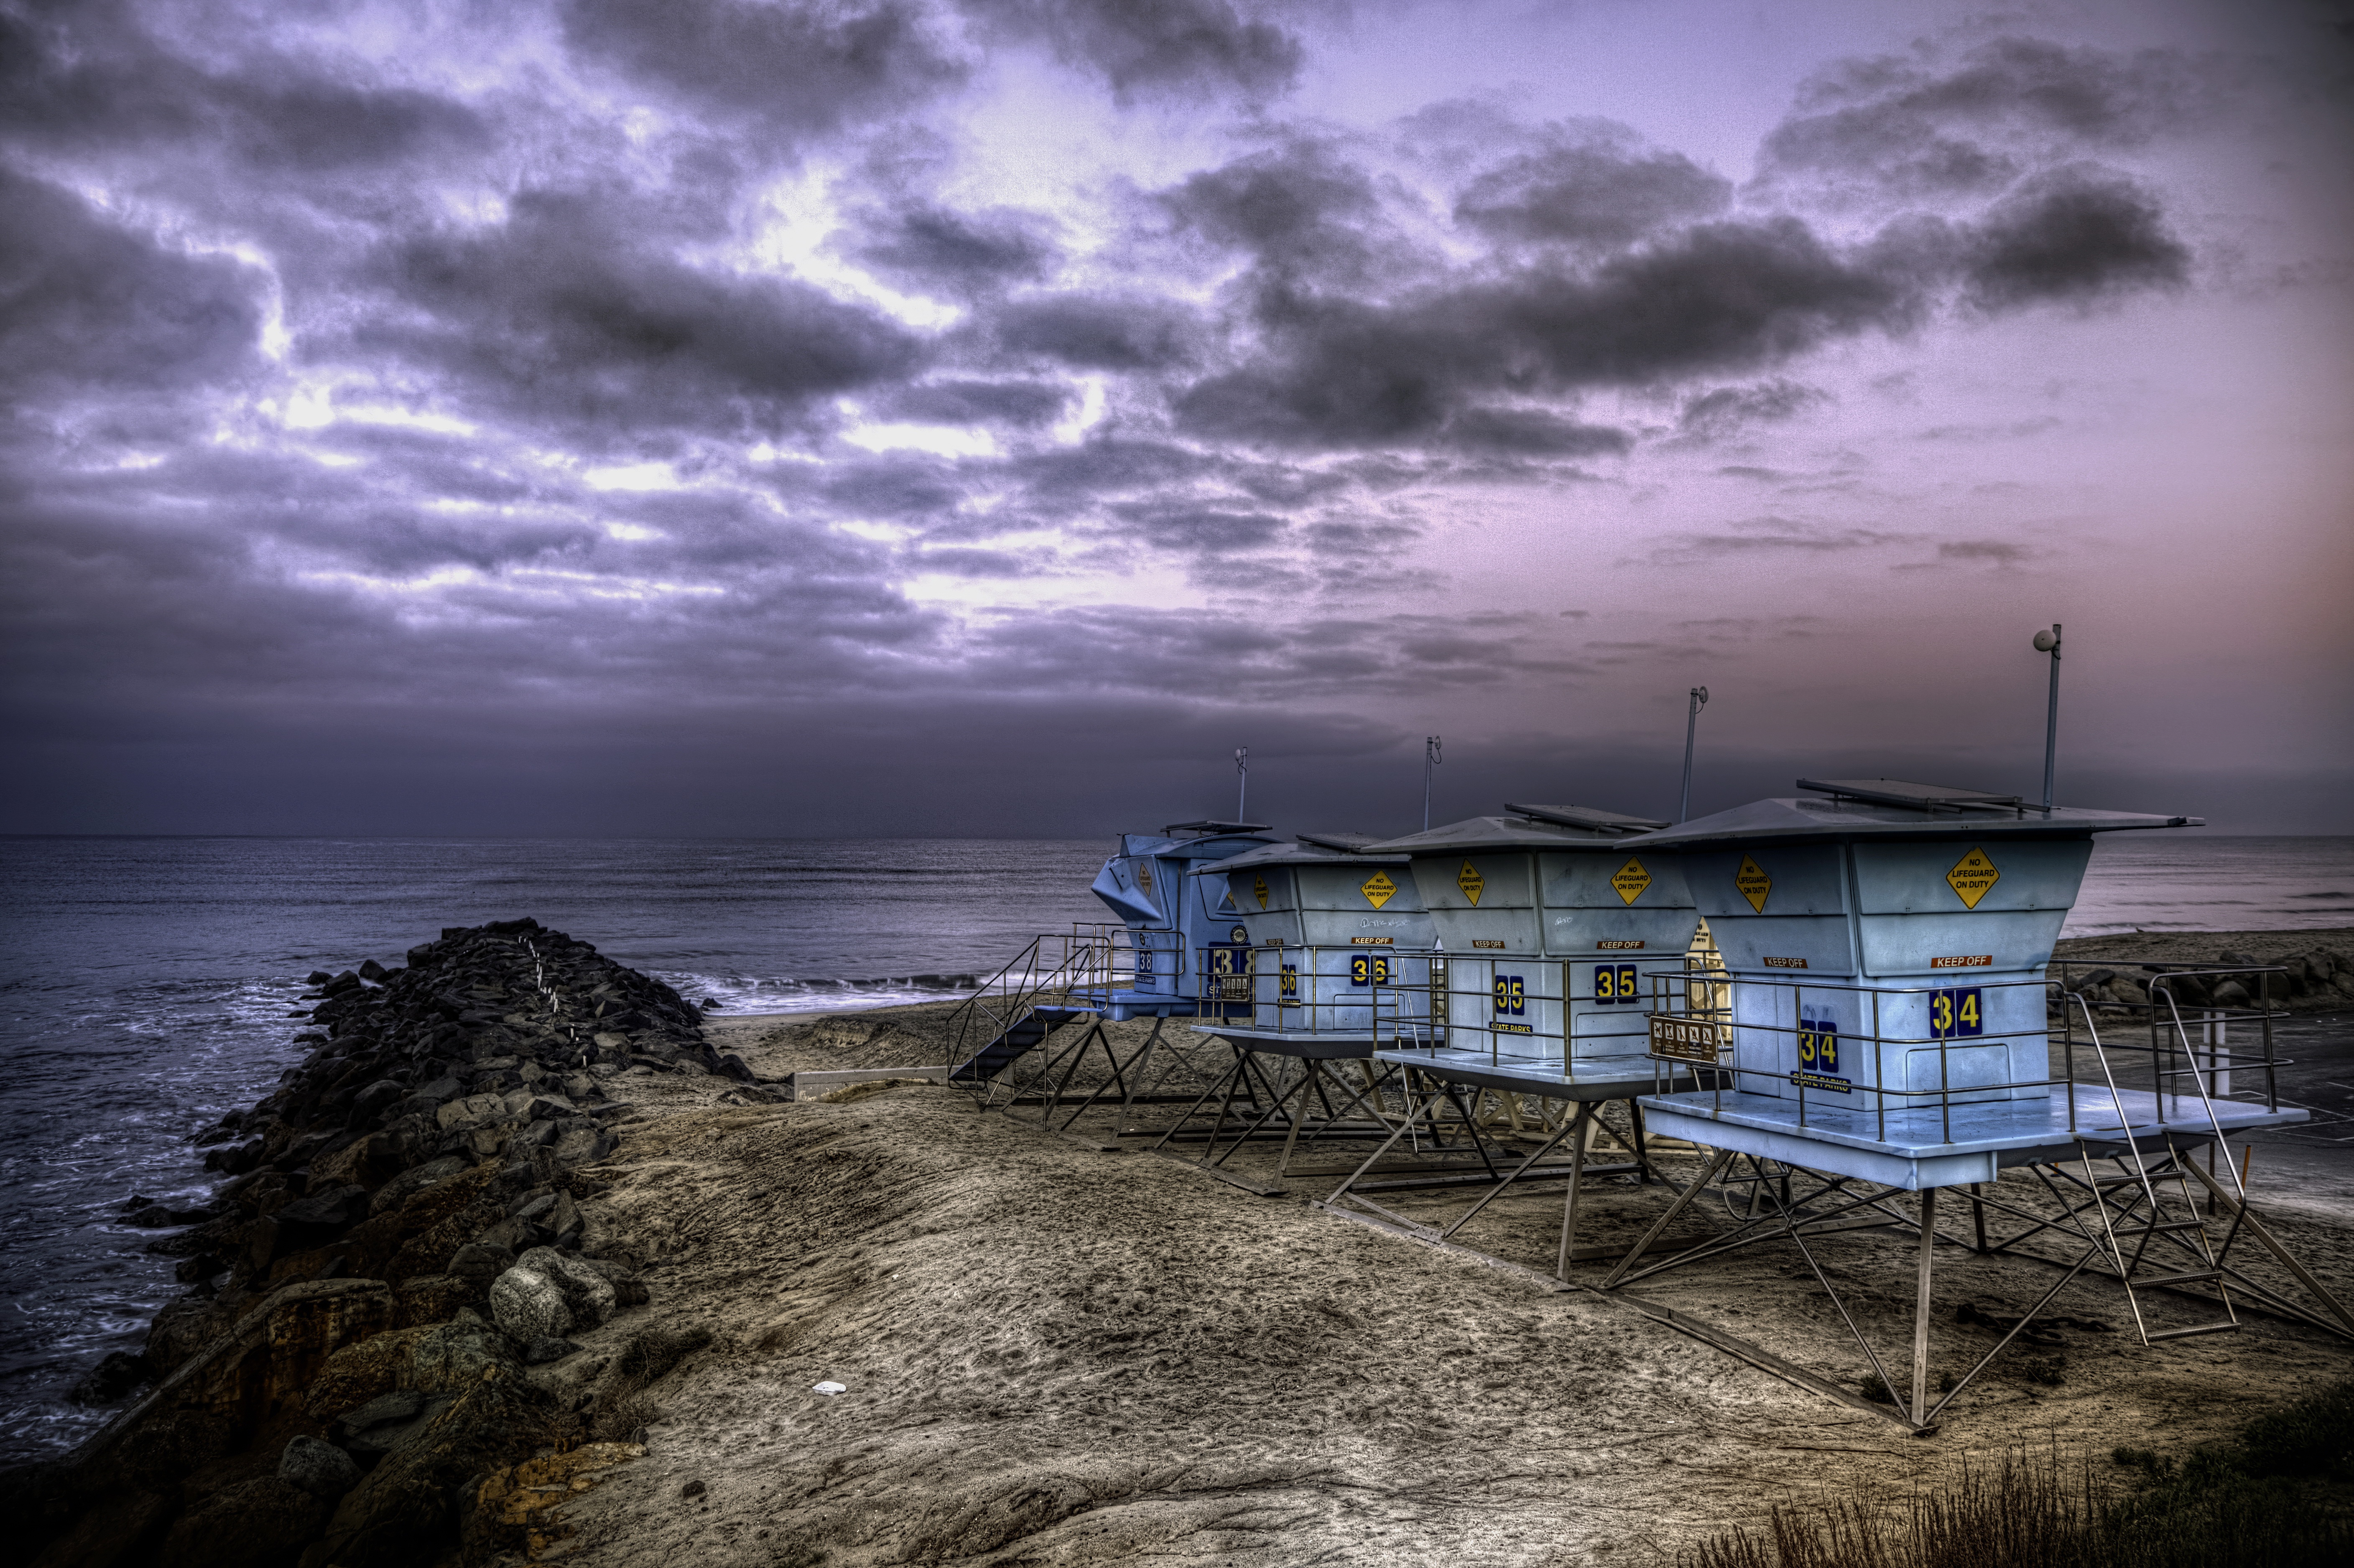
(1501, 835)
(1593, 817)
(1895, 808)
(1211, 830)
(1309, 848)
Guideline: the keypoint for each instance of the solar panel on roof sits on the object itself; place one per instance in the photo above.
(1902, 793)
(1587, 817)
(1205, 829)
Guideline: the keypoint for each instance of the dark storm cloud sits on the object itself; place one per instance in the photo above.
(562, 313)
(1596, 192)
(1158, 47)
(85, 303)
(805, 68)
(1718, 297)
(1305, 212)
(1093, 330)
(1906, 127)
(92, 76)
(1201, 529)
(1532, 432)
(2073, 235)
(931, 247)
(1023, 404)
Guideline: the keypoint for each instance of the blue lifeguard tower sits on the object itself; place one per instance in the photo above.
(1889, 1025)
(1173, 919)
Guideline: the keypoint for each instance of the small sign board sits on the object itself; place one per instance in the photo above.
(1677, 1039)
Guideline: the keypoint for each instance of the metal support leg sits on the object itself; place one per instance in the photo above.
(1576, 1185)
(1921, 1307)
(1660, 1226)
(1978, 1215)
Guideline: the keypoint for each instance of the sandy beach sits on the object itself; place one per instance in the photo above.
(1053, 1352)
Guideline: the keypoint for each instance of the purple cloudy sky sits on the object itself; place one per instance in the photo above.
(980, 415)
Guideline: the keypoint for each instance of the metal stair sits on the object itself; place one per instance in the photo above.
(1014, 1013)
(1017, 1040)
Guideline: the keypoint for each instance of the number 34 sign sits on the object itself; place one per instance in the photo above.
(1955, 1014)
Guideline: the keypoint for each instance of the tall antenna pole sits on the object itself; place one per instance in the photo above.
(1430, 759)
(1241, 789)
(1691, 727)
(2049, 642)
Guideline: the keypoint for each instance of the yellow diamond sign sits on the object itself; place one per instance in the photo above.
(1972, 875)
(1630, 881)
(1753, 883)
(1378, 889)
(1258, 885)
(1470, 880)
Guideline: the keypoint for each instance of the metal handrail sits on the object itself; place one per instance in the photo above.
(1730, 1072)
(1052, 966)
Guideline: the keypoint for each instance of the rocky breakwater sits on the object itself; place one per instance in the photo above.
(375, 1358)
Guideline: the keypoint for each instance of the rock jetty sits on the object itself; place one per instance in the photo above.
(367, 1357)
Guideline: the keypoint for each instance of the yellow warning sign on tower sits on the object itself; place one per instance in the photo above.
(1753, 883)
(1378, 889)
(1971, 877)
(1470, 880)
(1258, 885)
(1630, 881)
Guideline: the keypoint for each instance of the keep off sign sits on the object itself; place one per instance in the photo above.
(1683, 1040)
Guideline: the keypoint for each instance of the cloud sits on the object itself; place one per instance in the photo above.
(1596, 192)
(94, 76)
(1766, 536)
(85, 303)
(1532, 432)
(1727, 410)
(2074, 234)
(1099, 329)
(1717, 297)
(1907, 129)
(931, 247)
(1158, 48)
(799, 67)
(564, 313)
(1026, 405)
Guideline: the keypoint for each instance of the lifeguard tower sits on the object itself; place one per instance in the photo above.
(1889, 1030)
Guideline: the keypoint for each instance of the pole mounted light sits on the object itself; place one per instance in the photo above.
(1691, 727)
(1242, 789)
(2049, 642)
(1430, 759)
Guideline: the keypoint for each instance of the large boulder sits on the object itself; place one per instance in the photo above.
(320, 1468)
(403, 1513)
(549, 1295)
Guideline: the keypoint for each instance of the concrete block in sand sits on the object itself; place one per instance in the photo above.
(547, 1295)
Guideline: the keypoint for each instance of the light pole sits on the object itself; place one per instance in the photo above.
(1691, 724)
(1242, 789)
(1430, 759)
(2049, 642)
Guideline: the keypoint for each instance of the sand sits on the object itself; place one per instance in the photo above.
(1053, 1355)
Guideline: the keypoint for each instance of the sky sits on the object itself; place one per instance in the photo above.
(981, 416)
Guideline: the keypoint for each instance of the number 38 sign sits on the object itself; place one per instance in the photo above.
(1955, 1014)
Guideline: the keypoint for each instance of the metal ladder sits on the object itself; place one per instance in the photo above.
(2130, 1225)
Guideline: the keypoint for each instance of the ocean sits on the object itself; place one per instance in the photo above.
(148, 985)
